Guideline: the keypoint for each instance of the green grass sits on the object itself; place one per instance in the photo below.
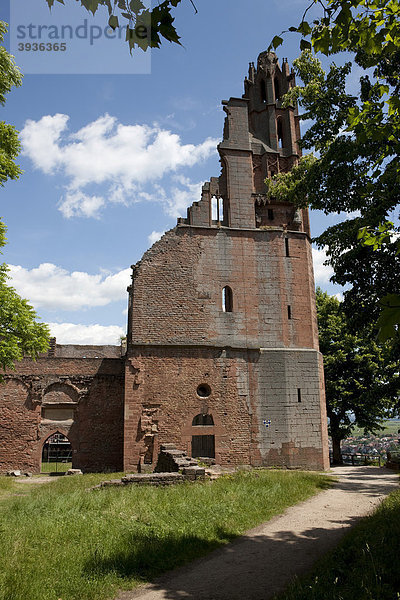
(6, 486)
(390, 427)
(64, 542)
(50, 467)
(365, 566)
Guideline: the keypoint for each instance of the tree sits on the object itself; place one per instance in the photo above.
(361, 379)
(20, 333)
(144, 28)
(358, 140)
(10, 76)
(349, 175)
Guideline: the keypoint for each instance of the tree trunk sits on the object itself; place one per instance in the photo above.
(336, 451)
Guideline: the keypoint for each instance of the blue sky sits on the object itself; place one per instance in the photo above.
(110, 161)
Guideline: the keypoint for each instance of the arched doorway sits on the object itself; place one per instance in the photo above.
(56, 454)
(203, 445)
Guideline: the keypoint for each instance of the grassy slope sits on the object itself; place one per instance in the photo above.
(365, 566)
(390, 427)
(64, 542)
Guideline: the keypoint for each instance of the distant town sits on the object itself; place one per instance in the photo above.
(379, 444)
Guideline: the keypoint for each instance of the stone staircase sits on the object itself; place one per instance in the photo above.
(173, 466)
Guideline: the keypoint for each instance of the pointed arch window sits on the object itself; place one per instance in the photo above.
(227, 299)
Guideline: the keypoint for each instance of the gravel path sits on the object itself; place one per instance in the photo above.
(261, 563)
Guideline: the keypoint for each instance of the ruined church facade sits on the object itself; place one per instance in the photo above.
(222, 351)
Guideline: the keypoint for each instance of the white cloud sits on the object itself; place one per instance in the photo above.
(78, 204)
(119, 158)
(322, 272)
(40, 141)
(155, 236)
(71, 333)
(54, 288)
(183, 197)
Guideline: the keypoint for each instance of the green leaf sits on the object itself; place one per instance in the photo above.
(304, 28)
(91, 5)
(136, 6)
(277, 41)
(113, 22)
(305, 45)
(389, 319)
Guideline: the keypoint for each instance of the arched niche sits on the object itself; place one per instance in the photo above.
(59, 403)
(60, 393)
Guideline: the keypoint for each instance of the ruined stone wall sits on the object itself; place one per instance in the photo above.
(177, 290)
(81, 398)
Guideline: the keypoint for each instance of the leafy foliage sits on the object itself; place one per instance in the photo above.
(290, 186)
(144, 28)
(358, 139)
(20, 333)
(361, 377)
(349, 176)
(10, 76)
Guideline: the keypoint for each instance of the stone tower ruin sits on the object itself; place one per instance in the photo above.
(222, 352)
(222, 356)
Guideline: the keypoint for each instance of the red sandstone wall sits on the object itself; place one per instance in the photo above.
(92, 387)
(161, 402)
(19, 428)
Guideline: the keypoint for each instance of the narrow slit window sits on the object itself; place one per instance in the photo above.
(287, 247)
(227, 299)
(276, 87)
(270, 214)
(289, 311)
(280, 133)
(298, 395)
(263, 91)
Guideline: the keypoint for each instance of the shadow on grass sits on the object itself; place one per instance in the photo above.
(144, 556)
(249, 568)
(258, 566)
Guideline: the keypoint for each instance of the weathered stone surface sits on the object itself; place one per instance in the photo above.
(74, 472)
(14, 473)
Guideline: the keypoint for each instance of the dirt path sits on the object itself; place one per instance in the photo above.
(261, 563)
(35, 480)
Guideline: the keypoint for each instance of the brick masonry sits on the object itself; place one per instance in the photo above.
(222, 341)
